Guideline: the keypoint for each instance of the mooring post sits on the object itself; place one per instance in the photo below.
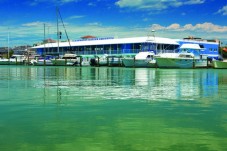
(134, 61)
(81, 60)
(193, 63)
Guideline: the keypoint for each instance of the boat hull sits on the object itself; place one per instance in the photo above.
(130, 62)
(219, 64)
(64, 62)
(186, 63)
(10, 62)
(43, 63)
(174, 63)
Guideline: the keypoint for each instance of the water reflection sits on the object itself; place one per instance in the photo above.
(118, 83)
(60, 108)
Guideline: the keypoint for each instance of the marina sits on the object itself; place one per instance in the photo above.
(118, 75)
(105, 108)
(148, 52)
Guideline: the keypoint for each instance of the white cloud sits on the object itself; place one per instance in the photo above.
(204, 27)
(76, 17)
(37, 23)
(31, 33)
(157, 27)
(188, 27)
(155, 4)
(173, 27)
(223, 10)
(191, 2)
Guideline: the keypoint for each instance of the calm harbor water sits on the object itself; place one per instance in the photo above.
(112, 109)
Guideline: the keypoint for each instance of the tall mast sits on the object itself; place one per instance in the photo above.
(57, 30)
(44, 36)
(8, 42)
(59, 15)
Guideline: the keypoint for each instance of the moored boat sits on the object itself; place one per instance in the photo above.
(67, 59)
(42, 61)
(13, 60)
(142, 59)
(218, 64)
(188, 57)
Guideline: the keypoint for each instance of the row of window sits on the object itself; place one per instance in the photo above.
(135, 46)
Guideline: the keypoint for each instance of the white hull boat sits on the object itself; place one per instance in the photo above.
(186, 58)
(218, 64)
(142, 59)
(66, 60)
(14, 60)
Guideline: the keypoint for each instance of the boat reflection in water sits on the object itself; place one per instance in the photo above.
(150, 84)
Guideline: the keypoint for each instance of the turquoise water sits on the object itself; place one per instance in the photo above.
(112, 109)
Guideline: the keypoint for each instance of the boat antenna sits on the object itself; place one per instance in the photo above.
(64, 29)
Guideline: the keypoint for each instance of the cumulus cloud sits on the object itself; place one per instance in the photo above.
(33, 32)
(206, 27)
(155, 4)
(173, 27)
(223, 10)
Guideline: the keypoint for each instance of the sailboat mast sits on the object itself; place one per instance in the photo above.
(57, 30)
(44, 37)
(8, 42)
(65, 29)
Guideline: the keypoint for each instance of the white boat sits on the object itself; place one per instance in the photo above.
(142, 59)
(189, 56)
(13, 60)
(66, 60)
(42, 61)
(4, 61)
(219, 64)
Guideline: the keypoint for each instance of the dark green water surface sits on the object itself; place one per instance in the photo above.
(112, 109)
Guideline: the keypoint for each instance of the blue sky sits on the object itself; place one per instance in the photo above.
(24, 20)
